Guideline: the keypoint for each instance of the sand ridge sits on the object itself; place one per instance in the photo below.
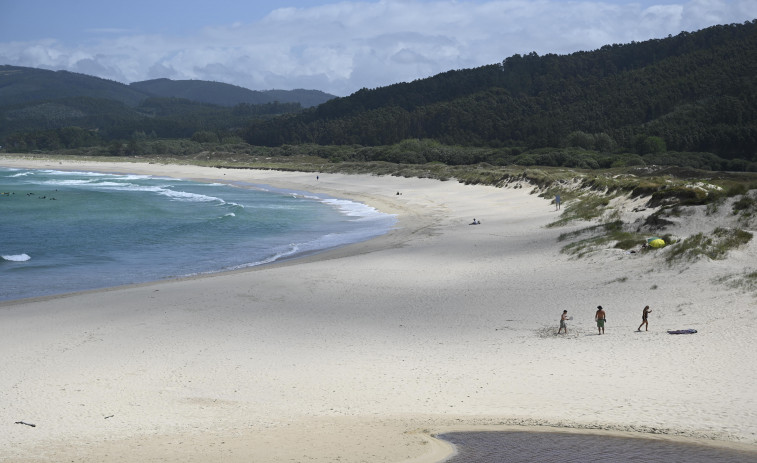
(361, 353)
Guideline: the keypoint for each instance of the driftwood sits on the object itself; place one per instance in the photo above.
(27, 424)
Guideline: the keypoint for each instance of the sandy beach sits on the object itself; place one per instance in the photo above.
(363, 353)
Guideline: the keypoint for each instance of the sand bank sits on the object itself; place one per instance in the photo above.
(361, 353)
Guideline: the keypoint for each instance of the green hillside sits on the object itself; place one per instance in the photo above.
(225, 94)
(84, 121)
(21, 85)
(48, 110)
(307, 98)
(694, 92)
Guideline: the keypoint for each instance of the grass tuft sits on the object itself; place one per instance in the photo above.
(746, 281)
(714, 246)
(601, 235)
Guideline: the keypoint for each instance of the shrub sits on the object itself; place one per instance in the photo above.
(679, 195)
(586, 207)
(745, 204)
(601, 235)
(205, 136)
(714, 246)
(581, 140)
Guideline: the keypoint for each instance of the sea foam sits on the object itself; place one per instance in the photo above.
(16, 258)
(148, 228)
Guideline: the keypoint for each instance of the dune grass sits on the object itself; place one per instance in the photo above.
(714, 246)
(601, 236)
(746, 281)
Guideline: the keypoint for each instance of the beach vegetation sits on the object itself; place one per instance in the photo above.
(627, 240)
(679, 194)
(715, 245)
(614, 234)
(713, 207)
(601, 236)
(657, 221)
(745, 205)
(593, 230)
(746, 281)
(585, 207)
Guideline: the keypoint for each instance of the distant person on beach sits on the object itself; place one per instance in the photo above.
(644, 321)
(557, 202)
(600, 318)
(563, 322)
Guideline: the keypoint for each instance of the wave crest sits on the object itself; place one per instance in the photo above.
(16, 258)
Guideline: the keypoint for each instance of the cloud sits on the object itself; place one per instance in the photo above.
(342, 47)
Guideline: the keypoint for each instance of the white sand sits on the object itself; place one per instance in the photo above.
(362, 353)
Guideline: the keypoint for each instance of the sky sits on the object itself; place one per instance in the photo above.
(338, 47)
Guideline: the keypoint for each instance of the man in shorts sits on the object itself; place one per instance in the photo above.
(644, 317)
(600, 319)
(563, 322)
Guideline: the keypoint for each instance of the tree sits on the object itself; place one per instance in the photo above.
(205, 136)
(650, 145)
(604, 143)
(581, 140)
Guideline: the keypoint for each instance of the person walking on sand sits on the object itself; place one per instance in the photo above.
(564, 322)
(600, 319)
(644, 321)
(557, 202)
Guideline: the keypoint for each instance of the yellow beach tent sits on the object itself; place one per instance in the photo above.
(657, 243)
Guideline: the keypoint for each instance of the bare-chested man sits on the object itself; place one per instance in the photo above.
(563, 322)
(644, 320)
(600, 319)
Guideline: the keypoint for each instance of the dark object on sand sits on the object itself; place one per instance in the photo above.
(689, 331)
(27, 424)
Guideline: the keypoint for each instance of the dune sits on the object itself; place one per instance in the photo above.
(365, 352)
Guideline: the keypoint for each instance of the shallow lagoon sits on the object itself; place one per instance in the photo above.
(530, 447)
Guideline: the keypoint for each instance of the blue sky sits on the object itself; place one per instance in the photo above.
(334, 46)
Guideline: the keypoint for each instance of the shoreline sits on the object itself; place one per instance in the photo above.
(366, 350)
(114, 168)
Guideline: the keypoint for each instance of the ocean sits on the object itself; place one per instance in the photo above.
(72, 231)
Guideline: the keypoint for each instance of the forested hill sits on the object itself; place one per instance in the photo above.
(48, 110)
(22, 85)
(226, 94)
(693, 92)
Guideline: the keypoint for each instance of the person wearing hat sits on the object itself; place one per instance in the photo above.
(600, 319)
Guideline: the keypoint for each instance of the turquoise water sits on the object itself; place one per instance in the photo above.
(72, 231)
